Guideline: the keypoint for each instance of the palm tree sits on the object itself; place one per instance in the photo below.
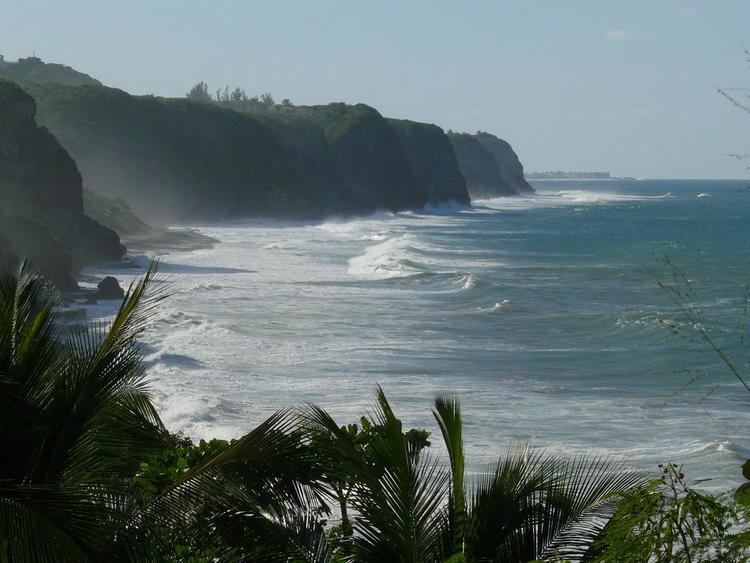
(76, 414)
(78, 421)
(408, 507)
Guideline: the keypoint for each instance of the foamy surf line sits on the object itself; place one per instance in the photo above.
(563, 198)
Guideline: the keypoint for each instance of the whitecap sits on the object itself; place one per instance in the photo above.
(388, 259)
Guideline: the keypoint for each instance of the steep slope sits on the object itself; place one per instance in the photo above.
(490, 166)
(433, 161)
(483, 179)
(42, 213)
(369, 156)
(507, 162)
(174, 159)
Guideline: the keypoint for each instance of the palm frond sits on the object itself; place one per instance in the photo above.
(100, 415)
(398, 499)
(245, 487)
(447, 413)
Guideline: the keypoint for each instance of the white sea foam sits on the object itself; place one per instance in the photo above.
(565, 198)
(388, 259)
(483, 302)
(469, 281)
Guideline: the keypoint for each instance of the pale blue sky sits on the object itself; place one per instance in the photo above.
(627, 86)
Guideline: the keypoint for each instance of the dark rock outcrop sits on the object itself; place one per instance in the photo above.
(433, 161)
(23, 238)
(109, 288)
(490, 166)
(507, 162)
(40, 189)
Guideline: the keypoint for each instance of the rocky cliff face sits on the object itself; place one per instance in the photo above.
(177, 159)
(174, 159)
(506, 159)
(433, 161)
(490, 166)
(370, 156)
(42, 212)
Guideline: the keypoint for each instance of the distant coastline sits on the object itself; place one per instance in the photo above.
(560, 175)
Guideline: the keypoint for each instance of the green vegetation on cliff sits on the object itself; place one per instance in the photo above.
(176, 159)
(506, 160)
(230, 155)
(32, 70)
(369, 155)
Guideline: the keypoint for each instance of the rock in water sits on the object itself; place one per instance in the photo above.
(109, 288)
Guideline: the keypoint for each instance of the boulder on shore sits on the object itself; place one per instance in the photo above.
(109, 288)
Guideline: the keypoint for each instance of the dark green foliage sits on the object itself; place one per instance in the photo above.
(95, 476)
(236, 99)
(506, 159)
(77, 415)
(179, 159)
(410, 507)
(668, 521)
(182, 159)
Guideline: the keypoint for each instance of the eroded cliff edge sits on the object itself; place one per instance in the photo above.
(42, 215)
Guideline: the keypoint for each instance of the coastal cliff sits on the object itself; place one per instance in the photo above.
(508, 164)
(369, 156)
(205, 159)
(433, 161)
(489, 165)
(175, 159)
(42, 214)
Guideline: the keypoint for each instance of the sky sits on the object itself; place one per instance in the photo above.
(628, 87)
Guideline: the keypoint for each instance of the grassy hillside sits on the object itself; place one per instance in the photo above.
(33, 70)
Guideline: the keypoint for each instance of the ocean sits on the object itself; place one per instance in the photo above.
(544, 315)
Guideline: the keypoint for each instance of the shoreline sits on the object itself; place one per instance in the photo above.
(164, 240)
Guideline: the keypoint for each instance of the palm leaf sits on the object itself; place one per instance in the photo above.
(447, 413)
(398, 499)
